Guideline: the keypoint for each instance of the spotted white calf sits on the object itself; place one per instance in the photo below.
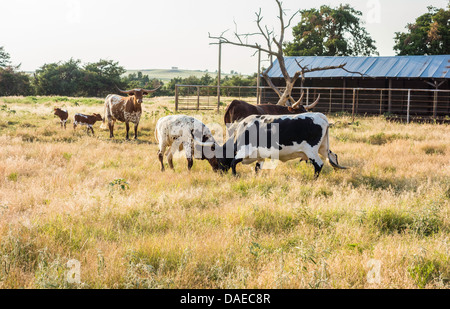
(86, 120)
(177, 132)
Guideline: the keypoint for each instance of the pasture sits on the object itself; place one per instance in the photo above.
(64, 195)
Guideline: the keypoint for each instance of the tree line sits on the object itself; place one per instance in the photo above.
(321, 32)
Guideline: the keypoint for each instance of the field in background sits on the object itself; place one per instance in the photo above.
(105, 204)
(167, 74)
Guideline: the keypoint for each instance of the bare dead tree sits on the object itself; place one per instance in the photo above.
(273, 48)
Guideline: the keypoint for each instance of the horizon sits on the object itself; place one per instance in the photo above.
(59, 30)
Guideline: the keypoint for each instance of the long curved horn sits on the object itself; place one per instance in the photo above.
(124, 91)
(299, 101)
(151, 91)
(311, 106)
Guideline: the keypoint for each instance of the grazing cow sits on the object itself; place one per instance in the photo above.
(86, 120)
(283, 137)
(63, 116)
(125, 109)
(238, 110)
(177, 132)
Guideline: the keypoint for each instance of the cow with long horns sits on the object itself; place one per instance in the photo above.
(125, 109)
(238, 110)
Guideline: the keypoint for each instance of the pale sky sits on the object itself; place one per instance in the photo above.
(171, 33)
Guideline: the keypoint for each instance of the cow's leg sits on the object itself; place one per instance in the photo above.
(233, 165)
(258, 166)
(190, 163)
(136, 130)
(65, 122)
(92, 130)
(170, 159)
(111, 127)
(61, 124)
(161, 156)
(127, 125)
(189, 149)
(74, 125)
(318, 165)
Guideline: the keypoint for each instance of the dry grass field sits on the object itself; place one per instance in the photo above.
(64, 195)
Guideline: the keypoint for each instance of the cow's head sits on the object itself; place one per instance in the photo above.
(139, 93)
(216, 155)
(98, 117)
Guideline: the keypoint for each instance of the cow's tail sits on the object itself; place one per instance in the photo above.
(103, 125)
(332, 157)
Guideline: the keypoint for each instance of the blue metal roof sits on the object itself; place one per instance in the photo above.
(378, 67)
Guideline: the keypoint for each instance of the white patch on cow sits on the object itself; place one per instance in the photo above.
(132, 117)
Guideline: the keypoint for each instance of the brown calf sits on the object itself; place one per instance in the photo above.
(86, 120)
(63, 116)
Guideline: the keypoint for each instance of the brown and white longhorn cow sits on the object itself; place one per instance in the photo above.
(125, 109)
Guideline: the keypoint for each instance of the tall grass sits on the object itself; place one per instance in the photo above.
(65, 195)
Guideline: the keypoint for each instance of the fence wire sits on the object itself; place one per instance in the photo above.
(402, 104)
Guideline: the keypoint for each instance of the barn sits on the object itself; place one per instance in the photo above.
(406, 87)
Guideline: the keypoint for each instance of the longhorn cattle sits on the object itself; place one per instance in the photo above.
(86, 120)
(238, 110)
(63, 116)
(177, 132)
(283, 137)
(125, 109)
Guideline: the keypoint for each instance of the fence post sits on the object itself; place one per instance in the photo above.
(198, 98)
(176, 98)
(353, 105)
(331, 94)
(435, 99)
(307, 96)
(408, 107)
(381, 101)
(218, 76)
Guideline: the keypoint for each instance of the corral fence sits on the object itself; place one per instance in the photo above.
(397, 104)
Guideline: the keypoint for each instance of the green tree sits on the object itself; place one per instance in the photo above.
(4, 58)
(330, 32)
(13, 82)
(58, 78)
(429, 35)
(100, 78)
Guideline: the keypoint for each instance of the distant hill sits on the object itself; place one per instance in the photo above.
(167, 74)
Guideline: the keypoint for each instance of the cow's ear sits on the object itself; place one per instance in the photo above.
(290, 109)
(145, 93)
